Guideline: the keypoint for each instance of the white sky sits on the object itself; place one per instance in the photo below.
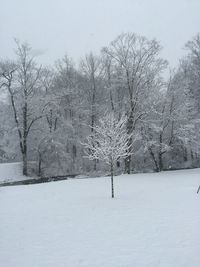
(57, 27)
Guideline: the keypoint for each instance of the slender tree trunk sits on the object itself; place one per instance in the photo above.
(93, 115)
(160, 163)
(129, 131)
(25, 168)
(154, 159)
(128, 164)
(128, 159)
(111, 101)
(112, 183)
(160, 153)
(192, 155)
(185, 154)
(160, 160)
(39, 164)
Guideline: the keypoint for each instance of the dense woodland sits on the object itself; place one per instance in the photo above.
(47, 113)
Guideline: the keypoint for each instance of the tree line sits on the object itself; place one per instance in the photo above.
(47, 112)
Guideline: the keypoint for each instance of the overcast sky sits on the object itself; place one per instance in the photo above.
(57, 27)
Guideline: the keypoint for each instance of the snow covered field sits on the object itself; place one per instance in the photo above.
(11, 172)
(154, 221)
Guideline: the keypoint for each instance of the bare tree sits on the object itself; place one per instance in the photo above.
(21, 80)
(109, 142)
(92, 69)
(138, 59)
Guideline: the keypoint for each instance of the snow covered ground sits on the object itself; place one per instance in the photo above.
(154, 221)
(11, 172)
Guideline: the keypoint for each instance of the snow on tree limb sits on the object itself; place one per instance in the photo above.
(110, 141)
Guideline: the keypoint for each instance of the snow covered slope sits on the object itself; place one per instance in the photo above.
(11, 172)
(154, 221)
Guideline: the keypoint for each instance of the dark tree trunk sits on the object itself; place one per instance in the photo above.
(185, 154)
(25, 133)
(39, 164)
(130, 128)
(192, 155)
(154, 159)
(118, 164)
(95, 164)
(112, 183)
(25, 166)
(128, 164)
(93, 119)
(160, 160)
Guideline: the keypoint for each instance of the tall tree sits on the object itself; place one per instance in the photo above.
(92, 69)
(22, 82)
(138, 59)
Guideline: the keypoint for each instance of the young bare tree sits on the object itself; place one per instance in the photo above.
(109, 143)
